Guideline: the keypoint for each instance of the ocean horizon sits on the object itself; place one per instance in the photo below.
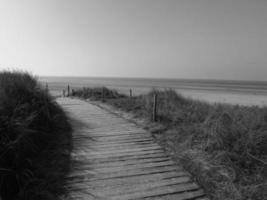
(213, 91)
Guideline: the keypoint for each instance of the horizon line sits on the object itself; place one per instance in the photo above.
(151, 78)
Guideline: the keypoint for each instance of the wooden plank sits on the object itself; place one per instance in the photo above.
(138, 179)
(118, 142)
(123, 145)
(123, 150)
(102, 155)
(133, 167)
(195, 194)
(155, 192)
(130, 162)
(119, 138)
(134, 172)
(114, 158)
(127, 189)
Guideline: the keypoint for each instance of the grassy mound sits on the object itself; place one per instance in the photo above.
(35, 138)
(98, 93)
(223, 146)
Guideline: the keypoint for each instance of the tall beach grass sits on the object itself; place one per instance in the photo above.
(35, 138)
(223, 146)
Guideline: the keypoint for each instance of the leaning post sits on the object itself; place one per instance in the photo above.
(155, 107)
(103, 93)
(68, 92)
(131, 93)
(46, 88)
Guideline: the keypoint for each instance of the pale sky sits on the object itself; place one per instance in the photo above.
(209, 39)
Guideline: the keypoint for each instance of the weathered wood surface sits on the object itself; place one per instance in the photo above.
(117, 160)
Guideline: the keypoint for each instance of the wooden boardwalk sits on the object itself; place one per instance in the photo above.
(117, 160)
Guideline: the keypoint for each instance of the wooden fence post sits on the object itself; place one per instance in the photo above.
(91, 92)
(155, 107)
(68, 92)
(103, 93)
(46, 88)
(131, 93)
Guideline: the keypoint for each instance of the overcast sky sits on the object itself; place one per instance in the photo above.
(210, 39)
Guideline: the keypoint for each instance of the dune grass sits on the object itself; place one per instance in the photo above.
(98, 93)
(223, 146)
(35, 138)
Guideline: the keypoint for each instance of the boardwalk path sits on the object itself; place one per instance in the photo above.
(121, 161)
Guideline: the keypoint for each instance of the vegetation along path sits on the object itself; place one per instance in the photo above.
(116, 159)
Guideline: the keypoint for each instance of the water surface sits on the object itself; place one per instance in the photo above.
(214, 91)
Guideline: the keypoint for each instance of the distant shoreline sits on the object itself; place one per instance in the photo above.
(233, 92)
(158, 78)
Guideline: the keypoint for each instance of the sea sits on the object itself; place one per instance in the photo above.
(248, 93)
